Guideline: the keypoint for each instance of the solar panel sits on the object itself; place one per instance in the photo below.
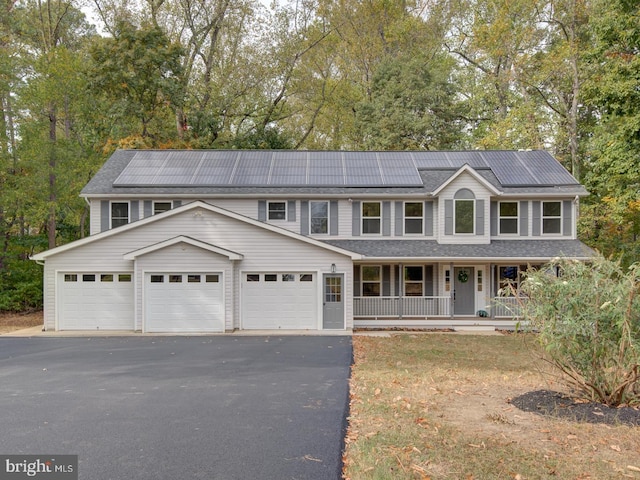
(252, 168)
(326, 168)
(509, 169)
(547, 169)
(431, 160)
(215, 169)
(398, 169)
(361, 168)
(473, 159)
(289, 168)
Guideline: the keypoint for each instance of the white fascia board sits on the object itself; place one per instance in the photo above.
(467, 169)
(185, 208)
(183, 239)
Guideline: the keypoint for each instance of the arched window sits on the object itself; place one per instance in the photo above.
(464, 211)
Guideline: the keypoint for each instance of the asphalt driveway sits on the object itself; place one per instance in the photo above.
(212, 407)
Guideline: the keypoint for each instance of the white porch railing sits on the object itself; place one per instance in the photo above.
(398, 307)
(507, 307)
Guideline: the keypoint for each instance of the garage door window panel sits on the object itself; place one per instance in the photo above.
(88, 278)
(157, 279)
(124, 277)
(175, 278)
(193, 278)
(212, 278)
(106, 278)
(270, 277)
(71, 277)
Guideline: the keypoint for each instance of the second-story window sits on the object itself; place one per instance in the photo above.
(551, 217)
(277, 210)
(119, 214)
(159, 207)
(319, 217)
(371, 218)
(413, 218)
(508, 218)
(464, 214)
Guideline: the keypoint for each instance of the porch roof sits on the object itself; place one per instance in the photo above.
(496, 251)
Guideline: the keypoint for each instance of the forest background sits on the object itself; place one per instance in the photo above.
(80, 78)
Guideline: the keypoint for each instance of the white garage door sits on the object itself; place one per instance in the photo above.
(279, 300)
(184, 302)
(95, 301)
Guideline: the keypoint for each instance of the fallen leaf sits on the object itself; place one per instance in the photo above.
(572, 437)
(616, 448)
(377, 391)
(633, 469)
(309, 457)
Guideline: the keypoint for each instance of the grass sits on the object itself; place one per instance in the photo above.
(436, 407)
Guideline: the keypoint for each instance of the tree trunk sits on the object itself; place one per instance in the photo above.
(51, 223)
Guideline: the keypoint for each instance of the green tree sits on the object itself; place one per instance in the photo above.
(139, 73)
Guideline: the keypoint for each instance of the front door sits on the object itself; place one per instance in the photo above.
(333, 302)
(464, 292)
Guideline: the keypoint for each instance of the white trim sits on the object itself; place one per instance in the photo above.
(560, 217)
(467, 169)
(182, 239)
(185, 208)
(362, 219)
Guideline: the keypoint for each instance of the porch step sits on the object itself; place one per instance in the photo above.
(474, 328)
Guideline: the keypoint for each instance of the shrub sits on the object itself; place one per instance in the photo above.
(587, 316)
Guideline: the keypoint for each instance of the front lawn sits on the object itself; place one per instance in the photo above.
(436, 406)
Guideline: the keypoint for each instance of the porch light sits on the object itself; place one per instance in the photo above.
(333, 268)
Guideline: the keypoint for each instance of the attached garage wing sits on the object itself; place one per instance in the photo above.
(280, 300)
(95, 301)
(184, 302)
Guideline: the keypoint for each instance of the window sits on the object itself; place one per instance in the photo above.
(479, 280)
(508, 218)
(106, 277)
(413, 218)
(159, 207)
(88, 278)
(306, 277)
(551, 217)
(319, 217)
(119, 214)
(371, 218)
(508, 277)
(270, 277)
(124, 277)
(193, 278)
(413, 281)
(157, 278)
(216, 278)
(371, 281)
(464, 216)
(447, 280)
(277, 210)
(288, 277)
(251, 277)
(71, 277)
(175, 278)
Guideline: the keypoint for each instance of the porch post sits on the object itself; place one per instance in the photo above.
(400, 289)
(452, 293)
(492, 289)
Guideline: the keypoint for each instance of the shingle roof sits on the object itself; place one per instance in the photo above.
(522, 250)
(241, 172)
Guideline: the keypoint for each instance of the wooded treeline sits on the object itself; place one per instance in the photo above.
(560, 75)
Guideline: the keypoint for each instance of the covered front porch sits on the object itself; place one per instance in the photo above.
(434, 295)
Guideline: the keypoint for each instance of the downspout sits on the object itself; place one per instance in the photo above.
(452, 293)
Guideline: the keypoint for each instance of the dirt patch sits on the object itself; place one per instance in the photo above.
(10, 322)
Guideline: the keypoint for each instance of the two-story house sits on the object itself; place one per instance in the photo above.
(214, 241)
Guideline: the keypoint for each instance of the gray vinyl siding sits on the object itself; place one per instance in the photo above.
(262, 210)
(177, 203)
(523, 212)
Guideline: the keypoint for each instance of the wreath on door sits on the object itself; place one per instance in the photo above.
(463, 276)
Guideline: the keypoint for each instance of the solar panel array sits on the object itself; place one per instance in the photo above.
(179, 168)
(267, 168)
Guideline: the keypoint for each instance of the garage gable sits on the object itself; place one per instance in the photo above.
(186, 240)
